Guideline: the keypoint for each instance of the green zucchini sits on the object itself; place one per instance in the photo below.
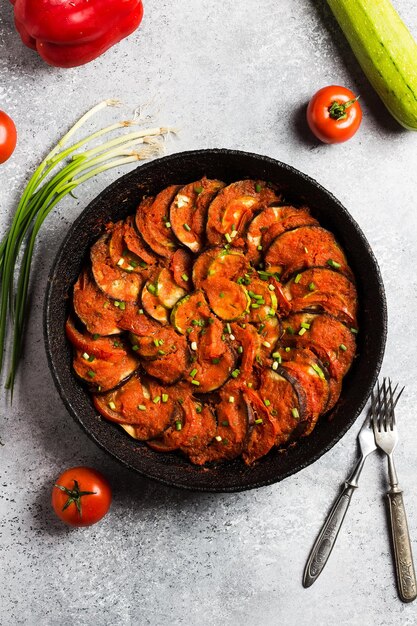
(167, 290)
(386, 51)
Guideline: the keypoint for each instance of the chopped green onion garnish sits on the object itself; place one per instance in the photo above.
(178, 425)
(276, 355)
(258, 187)
(193, 372)
(135, 347)
(318, 370)
(266, 402)
(302, 331)
(295, 413)
(185, 277)
(218, 438)
(250, 385)
(259, 421)
(287, 349)
(258, 296)
(228, 238)
(112, 406)
(290, 330)
(228, 328)
(143, 264)
(240, 350)
(187, 228)
(354, 331)
(168, 224)
(198, 408)
(311, 286)
(91, 358)
(297, 278)
(165, 397)
(255, 305)
(161, 352)
(259, 248)
(225, 423)
(140, 311)
(343, 347)
(122, 306)
(116, 303)
(195, 382)
(271, 287)
(305, 325)
(215, 361)
(275, 365)
(156, 399)
(91, 373)
(235, 373)
(96, 336)
(151, 288)
(156, 342)
(333, 264)
(86, 356)
(231, 399)
(198, 189)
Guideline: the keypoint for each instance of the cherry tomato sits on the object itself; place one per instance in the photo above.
(81, 496)
(8, 137)
(334, 114)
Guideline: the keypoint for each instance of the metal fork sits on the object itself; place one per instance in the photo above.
(327, 537)
(386, 437)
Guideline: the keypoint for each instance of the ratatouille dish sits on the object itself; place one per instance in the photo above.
(218, 321)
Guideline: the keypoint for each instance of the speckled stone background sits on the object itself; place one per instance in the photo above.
(228, 74)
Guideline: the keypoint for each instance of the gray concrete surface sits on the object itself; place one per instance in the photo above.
(229, 75)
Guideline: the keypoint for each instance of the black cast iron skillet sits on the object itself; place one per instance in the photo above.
(120, 199)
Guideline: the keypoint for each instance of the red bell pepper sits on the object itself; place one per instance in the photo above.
(67, 33)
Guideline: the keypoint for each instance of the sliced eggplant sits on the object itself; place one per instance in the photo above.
(94, 346)
(233, 208)
(305, 247)
(139, 404)
(116, 283)
(135, 243)
(227, 299)
(136, 321)
(263, 429)
(286, 401)
(152, 222)
(94, 309)
(310, 372)
(188, 212)
(323, 289)
(190, 311)
(167, 290)
(164, 341)
(152, 304)
(120, 255)
(269, 332)
(214, 361)
(102, 375)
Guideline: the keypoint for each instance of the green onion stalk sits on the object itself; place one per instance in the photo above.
(58, 175)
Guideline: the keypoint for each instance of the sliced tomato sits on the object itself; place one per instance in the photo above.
(188, 212)
(92, 345)
(94, 309)
(104, 374)
(152, 222)
(233, 208)
(114, 282)
(304, 247)
(325, 290)
(181, 265)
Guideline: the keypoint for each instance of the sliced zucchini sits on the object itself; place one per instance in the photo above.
(227, 299)
(230, 264)
(188, 211)
(190, 311)
(152, 304)
(167, 290)
(202, 264)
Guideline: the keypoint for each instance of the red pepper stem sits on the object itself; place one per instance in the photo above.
(337, 110)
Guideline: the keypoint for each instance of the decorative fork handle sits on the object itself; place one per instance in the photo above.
(327, 537)
(403, 556)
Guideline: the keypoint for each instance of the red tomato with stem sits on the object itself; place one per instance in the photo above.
(334, 114)
(8, 137)
(81, 496)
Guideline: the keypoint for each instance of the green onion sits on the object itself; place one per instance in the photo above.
(276, 355)
(354, 331)
(259, 421)
(215, 361)
(168, 224)
(267, 402)
(235, 373)
(258, 296)
(318, 371)
(91, 358)
(250, 385)
(290, 330)
(112, 406)
(116, 303)
(186, 227)
(178, 425)
(135, 348)
(91, 373)
(151, 288)
(96, 336)
(140, 311)
(122, 306)
(275, 365)
(231, 399)
(156, 399)
(287, 349)
(259, 248)
(218, 438)
(143, 264)
(165, 397)
(343, 347)
(311, 286)
(333, 264)
(295, 413)
(271, 287)
(255, 305)
(195, 382)
(86, 356)
(302, 331)
(198, 408)
(240, 350)
(185, 277)
(225, 423)
(228, 328)
(297, 278)
(228, 238)
(198, 189)
(305, 325)
(156, 342)
(193, 372)
(161, 352)
(258, 187)
(141, 407)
